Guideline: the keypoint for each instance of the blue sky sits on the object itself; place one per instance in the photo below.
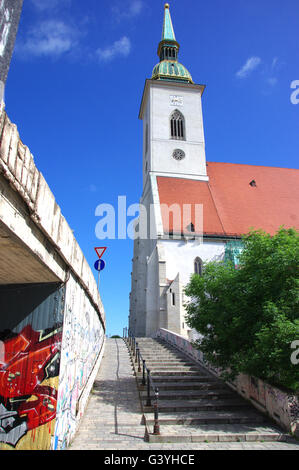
(75, 86)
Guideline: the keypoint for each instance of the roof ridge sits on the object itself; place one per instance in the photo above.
(257, 166)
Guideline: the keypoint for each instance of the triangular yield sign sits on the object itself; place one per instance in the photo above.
(100, 250)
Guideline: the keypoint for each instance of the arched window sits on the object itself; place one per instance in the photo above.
(177, 125)
(198, 266)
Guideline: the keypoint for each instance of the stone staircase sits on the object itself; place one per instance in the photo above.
(194, 405)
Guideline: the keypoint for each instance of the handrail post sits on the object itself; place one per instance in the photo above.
(138, 358)
(137, 352)
(143, 372)
(156, 413)
(148, 401)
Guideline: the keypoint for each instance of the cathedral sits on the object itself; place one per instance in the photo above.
(194, 211)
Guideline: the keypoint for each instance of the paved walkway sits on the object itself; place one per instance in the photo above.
(112, 420)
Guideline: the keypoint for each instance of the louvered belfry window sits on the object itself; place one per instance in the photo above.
(177, 126)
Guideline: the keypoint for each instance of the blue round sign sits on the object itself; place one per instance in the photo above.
(99, 265)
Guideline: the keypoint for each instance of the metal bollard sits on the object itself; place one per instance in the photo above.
(138, 357)
(148, 401)
(156, 413)
(143, 372)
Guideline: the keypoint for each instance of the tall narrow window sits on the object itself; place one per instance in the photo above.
(177, 125)
(198, 266)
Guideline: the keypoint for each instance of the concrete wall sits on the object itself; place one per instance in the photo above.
(52, 322)
(281, 406)
(10, 11)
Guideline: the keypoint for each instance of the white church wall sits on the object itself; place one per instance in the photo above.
(152, 294)
(180, 256)
(190, 106)
(147, 129)
(194, 158)
(174, 301)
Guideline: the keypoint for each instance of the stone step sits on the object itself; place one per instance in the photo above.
(204, 385)
(189, 394)
(166, 358)
(194, 378)
(207, 418)
(194, 405)
(161, 348)
(155, 357)
(175, 373)
(162, 366)
(158, 364)
(217, 433)
(199, 405)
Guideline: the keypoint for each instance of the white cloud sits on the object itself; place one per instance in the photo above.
(43, 5)
(251, 64)
(274, 63)
(135, 7)
(93, 188)
(122, 47)
(128, 11)
(49, 38)
(272, 81)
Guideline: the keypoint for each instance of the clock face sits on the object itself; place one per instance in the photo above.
(176, 100)
(178, 154)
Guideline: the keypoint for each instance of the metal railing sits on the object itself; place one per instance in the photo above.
(147, 380)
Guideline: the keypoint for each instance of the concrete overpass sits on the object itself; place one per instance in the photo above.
(52, 320)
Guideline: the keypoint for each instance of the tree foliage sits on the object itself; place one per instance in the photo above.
(250, 316)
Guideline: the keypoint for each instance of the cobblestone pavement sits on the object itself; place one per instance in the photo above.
(112, 419)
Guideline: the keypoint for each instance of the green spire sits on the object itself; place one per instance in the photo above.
(169, 68)
(168, 31)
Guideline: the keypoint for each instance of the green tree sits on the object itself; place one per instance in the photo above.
(250, 316)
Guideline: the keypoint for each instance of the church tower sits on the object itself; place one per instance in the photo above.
(171, 110)
(173, 149)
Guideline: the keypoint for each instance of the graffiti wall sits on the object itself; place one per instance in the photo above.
(81, 353)
(51, 345)
(30, 346)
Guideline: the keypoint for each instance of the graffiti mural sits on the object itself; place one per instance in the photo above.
(29, 358)
(51, 345)
(83, 337)
(29, 365)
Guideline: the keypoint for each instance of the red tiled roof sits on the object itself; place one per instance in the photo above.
(231, 206)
